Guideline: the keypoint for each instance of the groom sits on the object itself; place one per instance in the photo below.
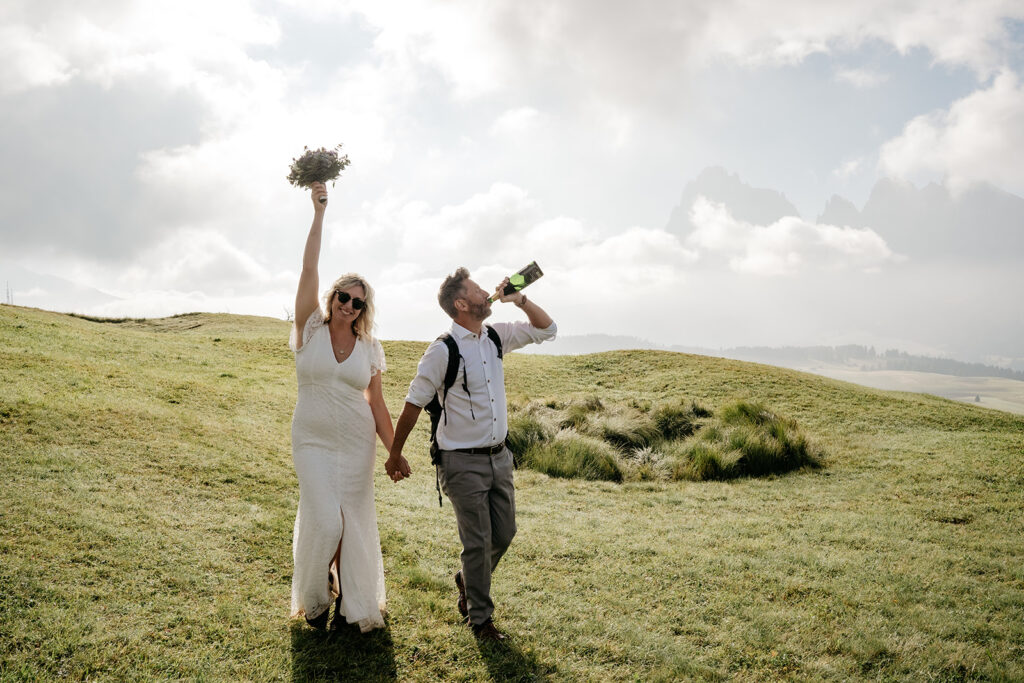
(474, 466)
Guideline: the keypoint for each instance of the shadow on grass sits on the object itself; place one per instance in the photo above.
(506, 662)
(343, 655)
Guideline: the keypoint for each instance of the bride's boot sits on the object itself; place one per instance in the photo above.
(319, 622)
(339, 618)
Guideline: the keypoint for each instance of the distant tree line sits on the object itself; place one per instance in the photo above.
(868, 359)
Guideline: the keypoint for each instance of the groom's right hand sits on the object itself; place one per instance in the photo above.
(397, 467)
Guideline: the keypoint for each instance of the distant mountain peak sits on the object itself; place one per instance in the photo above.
(840, 211)
(760, 206)
(717, 174)
(979, 223)
(982, 222)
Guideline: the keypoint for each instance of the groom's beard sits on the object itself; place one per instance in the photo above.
(480, 311)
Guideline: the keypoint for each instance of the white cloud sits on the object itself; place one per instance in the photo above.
(978, 138)
(515, 121)
(485, 228)
(412, 245)
(187, 261)
(502, 228)
(787, 246)
(861, 78)
(849, 168)
(27, 61)
(186, 43)
(158, 303)
(638, 255)
(195, 260)
(232, 182)
(190, 270)
(190, 47)
(453, 37)
(594, 50)
(960, 32)
(584, 49)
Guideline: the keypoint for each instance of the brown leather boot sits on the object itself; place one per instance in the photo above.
(463, 604)
(487, 631)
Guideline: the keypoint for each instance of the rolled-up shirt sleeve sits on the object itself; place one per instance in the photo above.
(429, 375)
(518, 334)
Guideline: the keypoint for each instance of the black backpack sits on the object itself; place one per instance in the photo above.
(436, 407)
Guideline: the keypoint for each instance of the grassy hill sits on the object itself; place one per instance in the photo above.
(148, 497)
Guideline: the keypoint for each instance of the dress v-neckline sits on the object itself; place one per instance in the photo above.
(330, 345)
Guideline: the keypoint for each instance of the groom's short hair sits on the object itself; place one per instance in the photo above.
(451, 289)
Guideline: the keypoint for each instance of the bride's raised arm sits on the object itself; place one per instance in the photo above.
(309, 280)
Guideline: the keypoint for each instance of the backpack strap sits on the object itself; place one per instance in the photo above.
(493, 335)
(436, 408)
(451, 371)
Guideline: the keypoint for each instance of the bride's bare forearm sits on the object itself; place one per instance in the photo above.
(311, 256)
(309, 278)
(385, 430)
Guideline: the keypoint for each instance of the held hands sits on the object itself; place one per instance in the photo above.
(397, 467)
(318, 190)
(518, 298)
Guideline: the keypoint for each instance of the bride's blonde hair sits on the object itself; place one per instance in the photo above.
(362, 326)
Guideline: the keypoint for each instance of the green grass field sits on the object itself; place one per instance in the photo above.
(148, 497)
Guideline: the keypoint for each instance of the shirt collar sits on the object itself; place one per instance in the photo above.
(461, 332)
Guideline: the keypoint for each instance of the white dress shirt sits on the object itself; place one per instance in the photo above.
(480, 418)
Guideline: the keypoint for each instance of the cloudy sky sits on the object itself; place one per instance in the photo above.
(144, 147)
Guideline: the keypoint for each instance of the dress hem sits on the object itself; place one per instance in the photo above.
(366, 624)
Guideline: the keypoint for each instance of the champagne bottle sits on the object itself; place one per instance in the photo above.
(516, 282)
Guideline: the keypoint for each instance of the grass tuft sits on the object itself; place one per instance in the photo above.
(698, 410)
(745, 412)
(674, 421)
(624, 431)
(526, 430)
(670, 440)
(577, 414)
(645, 464)
(749, 441)
(571, 455)
(575, 417)
(702, 462)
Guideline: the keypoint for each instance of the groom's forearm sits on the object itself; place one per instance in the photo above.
(536, 315)
(406, 421)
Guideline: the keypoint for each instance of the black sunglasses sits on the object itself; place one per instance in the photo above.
(357, 303)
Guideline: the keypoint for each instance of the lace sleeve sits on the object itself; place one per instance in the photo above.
(315, 320)
(377, 362)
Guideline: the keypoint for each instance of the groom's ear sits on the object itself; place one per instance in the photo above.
(461, 305)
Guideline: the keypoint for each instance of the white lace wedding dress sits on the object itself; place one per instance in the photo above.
(333, 447)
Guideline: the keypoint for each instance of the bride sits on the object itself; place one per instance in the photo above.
(338, 415)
